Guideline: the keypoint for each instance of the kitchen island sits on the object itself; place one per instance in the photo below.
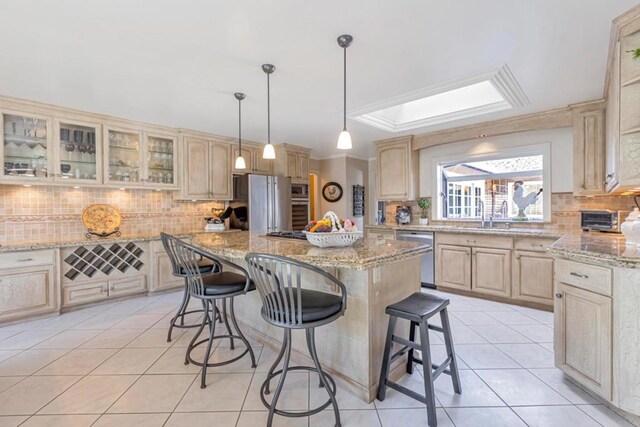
(376, 273)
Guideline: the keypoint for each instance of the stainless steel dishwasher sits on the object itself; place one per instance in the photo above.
(425, 238)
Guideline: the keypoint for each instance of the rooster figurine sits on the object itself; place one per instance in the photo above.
(523, 201)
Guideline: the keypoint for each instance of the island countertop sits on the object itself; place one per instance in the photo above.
(599, 248)
(363, 255)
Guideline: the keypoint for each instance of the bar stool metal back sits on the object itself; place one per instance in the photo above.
(289, 305)
(219, 285)
(205, 266)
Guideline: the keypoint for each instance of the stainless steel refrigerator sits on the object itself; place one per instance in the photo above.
(267, 200)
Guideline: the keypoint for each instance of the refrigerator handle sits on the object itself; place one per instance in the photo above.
(268, 207)
(274, 215)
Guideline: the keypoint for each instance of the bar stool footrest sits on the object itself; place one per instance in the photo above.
(213, 365)
(314, 411)
(180, 317)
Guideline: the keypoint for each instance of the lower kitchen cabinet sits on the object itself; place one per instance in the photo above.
(454, 267)
(127, 286)
(532, 277)
(491, 271)
(162, 277)
(84, 293)
(583, 336)
(381, 234)
(28, 284)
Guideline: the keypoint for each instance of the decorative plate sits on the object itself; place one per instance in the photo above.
(332, 192)
(101, 219)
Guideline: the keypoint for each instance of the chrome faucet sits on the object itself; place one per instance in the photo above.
(491, 221)
(482, 221)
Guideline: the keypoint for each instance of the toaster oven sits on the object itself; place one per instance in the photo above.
(602, 220)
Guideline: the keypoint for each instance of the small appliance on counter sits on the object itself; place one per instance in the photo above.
(403, 215)
(216, 222)
(602, 220)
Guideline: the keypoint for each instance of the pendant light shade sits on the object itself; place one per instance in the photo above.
(344, 140)
(240, 163)
(269, 152)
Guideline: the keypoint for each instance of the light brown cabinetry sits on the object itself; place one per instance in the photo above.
(583, 335)
(206, 170)
(397, 169)
(28, 284)
(253, 160)
(453, 268)
(491, 271)
(162, 277)
(532, 273)
(589, 149)
(293, 161)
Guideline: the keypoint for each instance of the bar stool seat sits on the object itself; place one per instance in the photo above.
(314, 305)
(225, 282)
(417, 307)
(204, 265)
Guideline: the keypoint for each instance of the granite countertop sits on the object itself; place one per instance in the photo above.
(363, 255)
(598, 248)
(66, 243)
(551, 233)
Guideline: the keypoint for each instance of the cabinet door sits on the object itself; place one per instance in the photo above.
(249, 161)
(84, 293)
(123, 157)
(163, 277)
(261, 166)
(612, 124)
(303, 167)
(588, 151)
(393, 172)
(161, 161)
(26, 149)
(491, 271)
(533, 277)
(196, 169)
(582, 336)
(27, 291)
(78, 153)
(454, 267)
(292, 165)
(126, 286)
(221, 178)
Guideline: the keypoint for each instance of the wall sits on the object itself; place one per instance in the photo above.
(53, 213)
(357, 174)
(346, 171)
(561, 155)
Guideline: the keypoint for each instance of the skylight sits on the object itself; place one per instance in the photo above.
(489, 92)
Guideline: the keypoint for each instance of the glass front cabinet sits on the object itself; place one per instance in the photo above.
(78, 154)
(26, 148)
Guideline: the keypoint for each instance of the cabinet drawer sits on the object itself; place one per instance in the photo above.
(381, 234)
(532, 244)
(496, 242)
(27, 258)
(584, 276)
(127, 286)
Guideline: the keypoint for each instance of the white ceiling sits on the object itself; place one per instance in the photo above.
(178, 63)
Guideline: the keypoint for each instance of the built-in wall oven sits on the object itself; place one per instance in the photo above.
(299, 206)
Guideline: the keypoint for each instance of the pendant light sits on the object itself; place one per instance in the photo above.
(344, 140)
(240, 164)
(268, 152)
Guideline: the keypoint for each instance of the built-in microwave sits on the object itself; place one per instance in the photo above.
(299, 191)
(602, 220)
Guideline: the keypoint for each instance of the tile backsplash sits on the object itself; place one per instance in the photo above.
(53, 213)
(565, 209)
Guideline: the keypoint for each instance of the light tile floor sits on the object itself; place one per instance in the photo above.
(110, 365)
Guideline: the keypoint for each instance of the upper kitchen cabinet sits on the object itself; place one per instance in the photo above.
(589, 148)
(27, 150)
(140, 159)
(78, 152)
(206, 169)
(622, 92)
(397, 169)
(293, 161)
(255, 164)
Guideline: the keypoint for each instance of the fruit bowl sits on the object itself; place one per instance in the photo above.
(333, 239)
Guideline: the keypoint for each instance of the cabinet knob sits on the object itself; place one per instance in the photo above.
(558, 295)
(470, 241)
(24, 259)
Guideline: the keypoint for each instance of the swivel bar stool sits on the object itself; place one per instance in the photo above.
(205, 265)
(218, 285)
(418, 308)
(286, 304)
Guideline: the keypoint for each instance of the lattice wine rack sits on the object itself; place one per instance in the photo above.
(108, 259)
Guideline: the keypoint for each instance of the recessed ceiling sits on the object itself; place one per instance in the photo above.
(179, 63)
